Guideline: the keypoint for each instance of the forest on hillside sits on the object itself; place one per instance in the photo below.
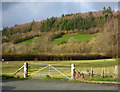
(101, 27)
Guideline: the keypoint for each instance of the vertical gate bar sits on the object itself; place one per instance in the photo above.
(49, 70)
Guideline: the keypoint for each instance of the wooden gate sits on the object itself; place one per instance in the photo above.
(50, 70)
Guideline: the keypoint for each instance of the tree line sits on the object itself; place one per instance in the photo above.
(11, 32)
(76, 22)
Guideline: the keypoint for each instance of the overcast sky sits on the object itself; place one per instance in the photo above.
(24, 12)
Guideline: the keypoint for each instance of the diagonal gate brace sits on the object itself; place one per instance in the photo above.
(60, 72)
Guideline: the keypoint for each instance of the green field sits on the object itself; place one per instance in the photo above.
(74, 37)
(65, 38)
(9, 67)
(30, 41)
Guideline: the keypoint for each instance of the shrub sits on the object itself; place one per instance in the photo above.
(107, 42)
(48, 76)
(48, 56)
(55, 35)
(21, 39)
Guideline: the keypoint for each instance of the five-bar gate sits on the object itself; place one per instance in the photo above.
(50, 70)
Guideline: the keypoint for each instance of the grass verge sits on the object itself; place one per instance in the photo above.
(104, 79)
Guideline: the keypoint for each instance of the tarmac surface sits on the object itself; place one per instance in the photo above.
(53, 85)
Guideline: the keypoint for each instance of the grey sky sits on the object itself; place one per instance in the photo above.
(24, 12)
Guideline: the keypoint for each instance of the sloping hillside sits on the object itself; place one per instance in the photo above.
(72, 36)
(91, 22)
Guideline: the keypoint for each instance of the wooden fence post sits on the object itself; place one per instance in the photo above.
(115, 72)
(25, 70)
(72, 71)
(103, 72)
(92, 72)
